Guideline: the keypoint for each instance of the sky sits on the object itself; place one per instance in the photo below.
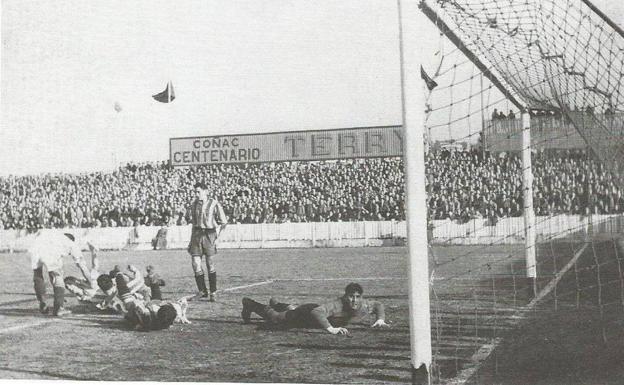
(236, 66)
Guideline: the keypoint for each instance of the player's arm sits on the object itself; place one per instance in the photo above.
(321, 314)
(135, 283)
(78, 258)
(95, 262)
(222, 218)
(380, 314)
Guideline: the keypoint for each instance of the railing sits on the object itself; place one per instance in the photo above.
(339, 234)
(265, 235)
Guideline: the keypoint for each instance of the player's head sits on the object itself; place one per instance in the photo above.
(200, 190)
(70, 236)
(165, 316)
(149, 268)
(105, 282)
(354, 288)
(353, 295)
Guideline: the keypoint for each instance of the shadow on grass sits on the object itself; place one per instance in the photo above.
(388, 378)
(113, 324)
(214, 321)
(385, 357)
(338, 347)
(369, 366)
(47, 374)
(397, 342)
(17, 312)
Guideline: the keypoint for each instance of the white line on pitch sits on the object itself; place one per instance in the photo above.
(250, 285)
(486, 350)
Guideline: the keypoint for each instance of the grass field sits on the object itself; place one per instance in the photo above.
(484, 328)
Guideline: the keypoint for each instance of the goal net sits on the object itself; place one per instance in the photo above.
(525, 135)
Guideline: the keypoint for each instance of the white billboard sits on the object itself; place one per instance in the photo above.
(343, 143)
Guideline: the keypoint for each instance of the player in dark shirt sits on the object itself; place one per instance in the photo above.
(331, 316)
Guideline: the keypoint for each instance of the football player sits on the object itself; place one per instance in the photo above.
(332, 316)
(83, 288)
(48, 249)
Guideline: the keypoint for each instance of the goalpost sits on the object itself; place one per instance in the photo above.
(558, 66)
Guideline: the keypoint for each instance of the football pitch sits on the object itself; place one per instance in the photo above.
(479, 334)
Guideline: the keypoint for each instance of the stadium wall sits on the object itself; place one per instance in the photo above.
(336, 234)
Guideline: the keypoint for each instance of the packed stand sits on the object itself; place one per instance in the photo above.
(157, 194)
(462, 185)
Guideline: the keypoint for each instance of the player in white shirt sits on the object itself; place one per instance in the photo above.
(48, 249)
(83, 288)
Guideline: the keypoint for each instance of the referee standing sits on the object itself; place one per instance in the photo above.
(208, 219)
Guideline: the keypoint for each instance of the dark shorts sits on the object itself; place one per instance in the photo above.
(301, 317)
(203, 242)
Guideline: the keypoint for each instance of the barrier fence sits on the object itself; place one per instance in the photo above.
(334, 234)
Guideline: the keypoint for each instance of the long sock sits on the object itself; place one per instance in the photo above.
(40, 288)
(201, 283)
(212, 281)
(59, 298)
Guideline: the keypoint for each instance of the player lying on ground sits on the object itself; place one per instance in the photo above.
(150, 315)
(111, 298)
(331, 316)
(134, 279)
(106, 297)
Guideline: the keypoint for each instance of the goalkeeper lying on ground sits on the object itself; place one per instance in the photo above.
(331, 316)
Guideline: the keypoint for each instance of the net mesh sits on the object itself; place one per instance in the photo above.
(562, 62)
(559, 57)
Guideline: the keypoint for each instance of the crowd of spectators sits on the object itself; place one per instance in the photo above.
(157, 194)
(461, 185)
(464, 185)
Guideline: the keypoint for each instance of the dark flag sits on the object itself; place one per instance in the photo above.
(167, 96)
(431, 84)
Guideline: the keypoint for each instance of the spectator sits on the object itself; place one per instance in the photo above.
(460, 184)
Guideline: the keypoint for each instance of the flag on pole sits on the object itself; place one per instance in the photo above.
(431, 84)
(167, 96)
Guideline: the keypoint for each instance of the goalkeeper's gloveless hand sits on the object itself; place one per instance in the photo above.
(334, 330)
(380, 324)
